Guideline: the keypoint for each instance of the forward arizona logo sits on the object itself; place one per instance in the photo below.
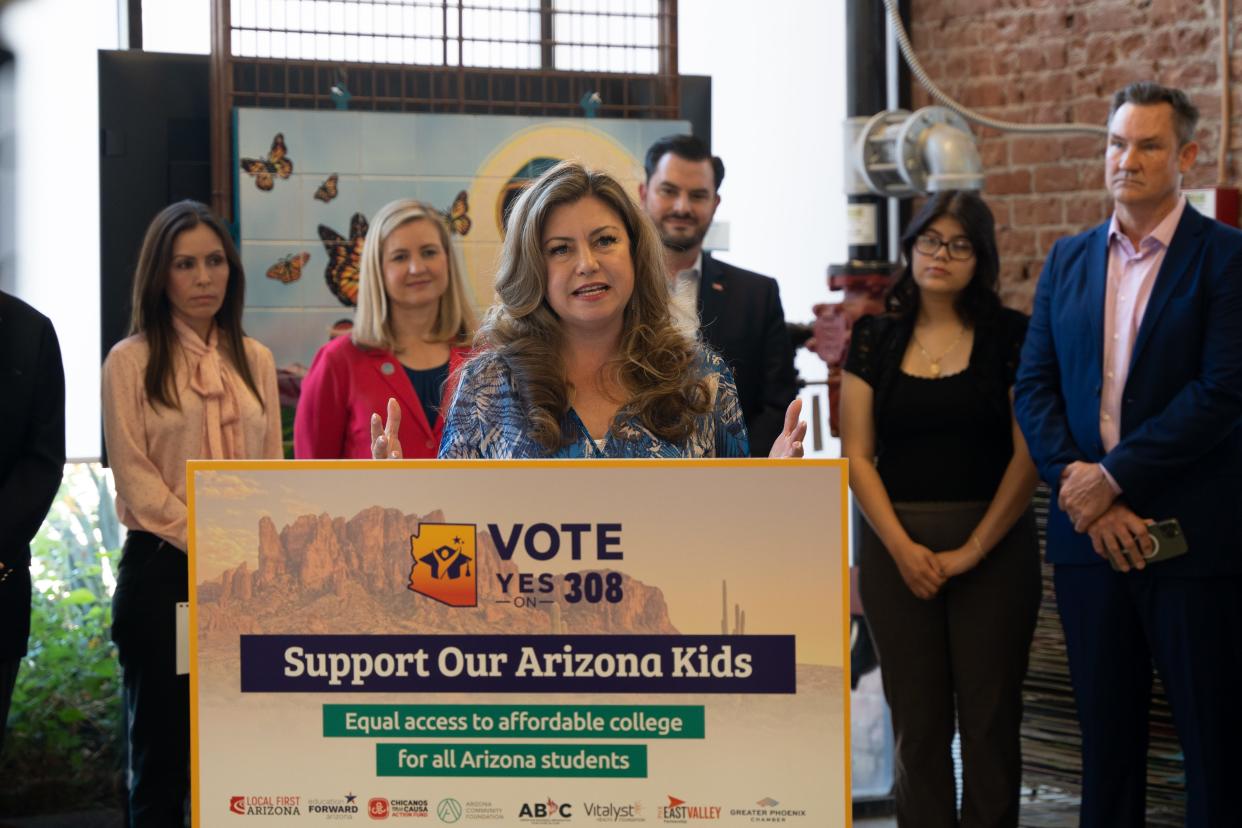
(445, 563)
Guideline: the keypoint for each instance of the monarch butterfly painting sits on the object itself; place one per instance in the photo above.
(277, 163)
(289, 269)
(327, 190)
(457, 215)
(344, 259)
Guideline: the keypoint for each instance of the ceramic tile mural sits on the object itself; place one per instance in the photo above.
(376, 158)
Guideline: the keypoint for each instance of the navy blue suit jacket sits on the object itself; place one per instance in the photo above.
(1180, 454)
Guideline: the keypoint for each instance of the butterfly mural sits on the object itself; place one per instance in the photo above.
(277, 163)
(327, 190)
(457, 216)
(289, 269)
(344, 258)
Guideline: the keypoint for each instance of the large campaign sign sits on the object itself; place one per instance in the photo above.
(519, 643)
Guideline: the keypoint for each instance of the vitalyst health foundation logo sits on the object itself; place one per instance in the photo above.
(445, 563)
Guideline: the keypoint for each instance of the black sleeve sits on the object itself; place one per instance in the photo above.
(780, 381)
(1013, 335)
(862, 359)
(31, 484)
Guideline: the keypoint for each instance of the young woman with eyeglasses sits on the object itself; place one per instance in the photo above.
(949, 560)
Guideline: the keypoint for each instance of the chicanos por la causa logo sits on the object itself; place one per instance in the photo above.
(377, 808)
(263, 805)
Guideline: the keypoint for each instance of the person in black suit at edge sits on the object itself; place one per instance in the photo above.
(738, 312)
(32, 461)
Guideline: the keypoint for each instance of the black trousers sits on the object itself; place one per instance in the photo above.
(962, 655)
(8, 680)
(151, 580)
(1115, 626)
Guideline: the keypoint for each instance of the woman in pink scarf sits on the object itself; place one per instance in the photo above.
(187, 384)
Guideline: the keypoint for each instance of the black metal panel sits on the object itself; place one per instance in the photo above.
(153, 120)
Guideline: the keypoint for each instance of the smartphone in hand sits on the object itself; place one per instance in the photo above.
(1168, 541)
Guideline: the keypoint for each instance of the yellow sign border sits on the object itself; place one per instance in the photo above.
(193, 466)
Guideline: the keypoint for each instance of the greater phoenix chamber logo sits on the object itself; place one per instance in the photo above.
(445, 564)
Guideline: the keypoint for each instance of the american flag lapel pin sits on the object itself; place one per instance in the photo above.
(718, 286)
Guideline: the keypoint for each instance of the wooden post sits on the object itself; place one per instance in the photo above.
(221, 112)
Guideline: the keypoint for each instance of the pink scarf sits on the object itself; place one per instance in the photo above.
(215, 382)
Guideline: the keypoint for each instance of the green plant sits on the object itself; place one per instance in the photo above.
(64, 740)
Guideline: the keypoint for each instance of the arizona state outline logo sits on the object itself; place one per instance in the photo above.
(445, 566)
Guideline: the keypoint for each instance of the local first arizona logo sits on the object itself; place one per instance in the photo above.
(445, 563)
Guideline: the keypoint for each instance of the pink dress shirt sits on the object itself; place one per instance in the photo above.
(1131, 276)
(148, 445)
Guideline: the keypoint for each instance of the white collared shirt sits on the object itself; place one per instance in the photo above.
(684, 292)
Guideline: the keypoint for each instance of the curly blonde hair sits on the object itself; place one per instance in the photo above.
(656, 359)
(455, 320)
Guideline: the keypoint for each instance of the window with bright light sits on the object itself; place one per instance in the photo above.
(585, 35)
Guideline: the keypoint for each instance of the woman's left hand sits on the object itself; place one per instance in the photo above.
(385, 444)
(789, 444)
(961, 560)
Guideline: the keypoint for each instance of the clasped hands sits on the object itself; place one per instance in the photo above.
(926, 572)
(1116, 532)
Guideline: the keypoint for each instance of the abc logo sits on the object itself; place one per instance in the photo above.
(540, 810)
(377, 808)
(449, 810)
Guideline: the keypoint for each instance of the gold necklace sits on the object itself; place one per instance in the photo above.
(934, 363)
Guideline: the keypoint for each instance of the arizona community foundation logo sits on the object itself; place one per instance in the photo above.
(445, 563)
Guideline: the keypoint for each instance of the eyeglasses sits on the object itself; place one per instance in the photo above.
(960, 248)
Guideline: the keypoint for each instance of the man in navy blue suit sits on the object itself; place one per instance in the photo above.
(1130, 398)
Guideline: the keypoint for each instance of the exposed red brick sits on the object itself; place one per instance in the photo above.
(1052, 61)
(1087, 147)
(1014, 241)
(1086, 210)
(994, 153)
(1007, 182)
(1042, 149)
(1060, 178)
(1034, 211)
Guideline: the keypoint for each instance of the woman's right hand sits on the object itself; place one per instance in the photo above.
(920, 569)
(385, 444)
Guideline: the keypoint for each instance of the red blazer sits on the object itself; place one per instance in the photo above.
(345, 385)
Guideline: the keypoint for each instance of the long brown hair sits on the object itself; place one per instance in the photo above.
(655, 359)
(152, 312)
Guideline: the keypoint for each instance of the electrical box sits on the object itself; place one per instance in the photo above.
(1220, 203)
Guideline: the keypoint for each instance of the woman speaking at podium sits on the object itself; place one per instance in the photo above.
(580, 356)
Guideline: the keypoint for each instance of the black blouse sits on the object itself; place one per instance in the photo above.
(944, 439)
(429, 386)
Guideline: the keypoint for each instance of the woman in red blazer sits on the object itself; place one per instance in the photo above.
(411, 330)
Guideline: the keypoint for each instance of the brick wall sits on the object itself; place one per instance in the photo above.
(1052, 61)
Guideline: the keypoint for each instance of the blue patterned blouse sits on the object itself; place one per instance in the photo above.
(486, 421)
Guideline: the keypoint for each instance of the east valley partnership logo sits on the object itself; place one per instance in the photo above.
(678, 811)
(445, 563)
